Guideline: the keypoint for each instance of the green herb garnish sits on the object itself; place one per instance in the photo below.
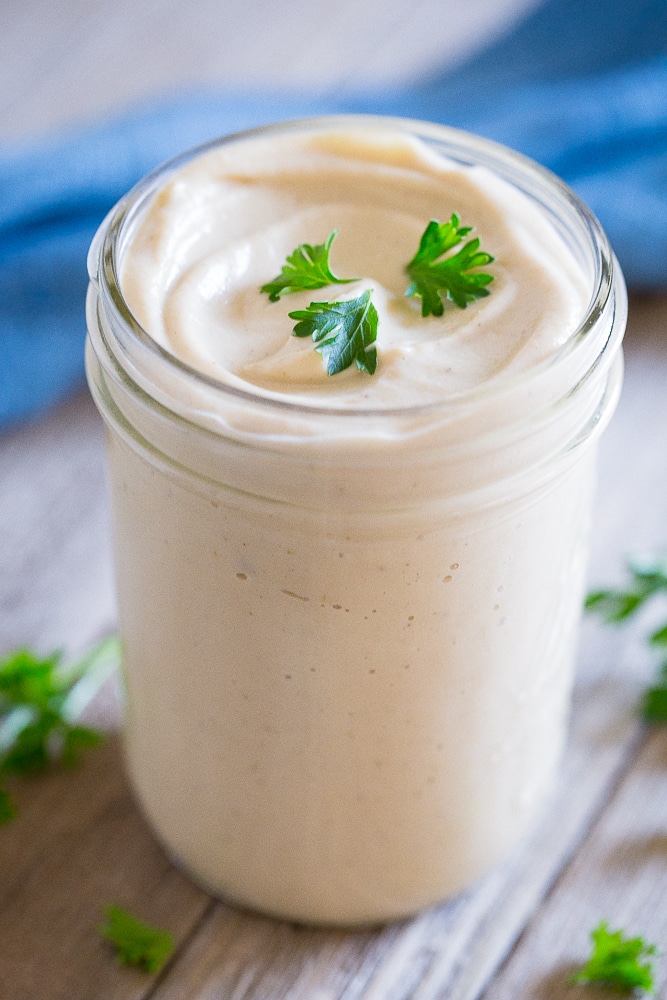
(7, 809)
(307, 267)
(617, 961)
(648, 578)
(431, 277)
(648, 581)
(653, 706)
(39, 701)
(136, 943)
(343, 332)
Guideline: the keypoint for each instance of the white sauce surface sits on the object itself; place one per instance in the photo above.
(224, 225)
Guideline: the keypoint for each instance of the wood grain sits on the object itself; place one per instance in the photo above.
(56, 584)
(78, 845)
(618, 876)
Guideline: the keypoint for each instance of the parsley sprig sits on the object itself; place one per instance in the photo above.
(648, 582)
(136, 942)
(618, 961)
(40, 698)
(432, 276)
(307, 268)
(344, 332)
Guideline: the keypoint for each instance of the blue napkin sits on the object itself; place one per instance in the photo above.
(579, 85)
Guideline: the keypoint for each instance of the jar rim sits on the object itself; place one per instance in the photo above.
(462, 147)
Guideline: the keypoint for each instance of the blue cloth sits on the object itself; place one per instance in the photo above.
(579, 85)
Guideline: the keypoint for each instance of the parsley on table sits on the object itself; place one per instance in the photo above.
(307, 267)
(654, 702)
(39, 700)
(344, 332)
(617, 961)
(136, 942)
(648, 581)
(432, 276)
(7, 810)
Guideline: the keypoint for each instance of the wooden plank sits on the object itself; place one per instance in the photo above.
(78, 845)
(56, 584)
(618, 875)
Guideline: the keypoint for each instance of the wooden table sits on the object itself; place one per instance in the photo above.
(79, 843)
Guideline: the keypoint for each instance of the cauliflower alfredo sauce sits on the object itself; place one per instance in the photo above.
(349, 601)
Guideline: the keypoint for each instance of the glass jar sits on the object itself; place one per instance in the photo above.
(349, 635)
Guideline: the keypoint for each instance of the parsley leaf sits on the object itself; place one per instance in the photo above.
(307, 267)
(648, 578)
(38, 705)
(618, 961)
(648, 581)
(7, 810)
(653, 706)
(136, 943)
(431, 276)
(344, 332)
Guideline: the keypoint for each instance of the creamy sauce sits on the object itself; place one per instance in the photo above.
(349, 640)
(223, 226)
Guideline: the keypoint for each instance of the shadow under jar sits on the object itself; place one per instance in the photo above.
(349, 627)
